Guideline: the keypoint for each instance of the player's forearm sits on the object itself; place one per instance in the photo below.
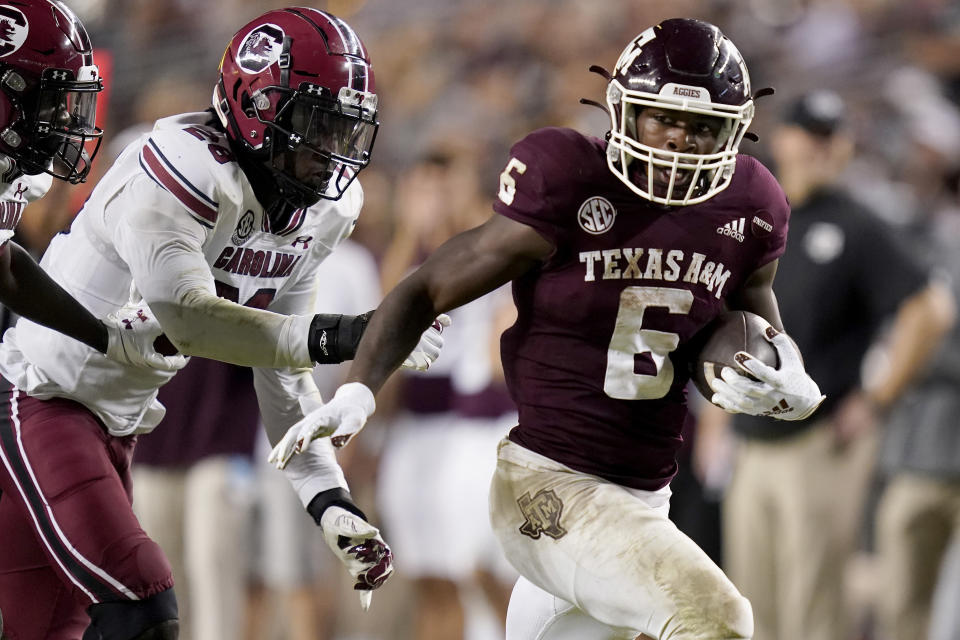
(201, 324)
(315, 471)
(27, 290)
(392, 333)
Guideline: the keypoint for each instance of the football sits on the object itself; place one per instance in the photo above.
(731, 332)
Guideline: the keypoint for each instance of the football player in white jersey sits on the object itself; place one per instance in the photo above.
(48, 97)
(218, 221)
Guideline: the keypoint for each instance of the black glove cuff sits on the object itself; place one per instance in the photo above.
(332, 497)
(334, 338)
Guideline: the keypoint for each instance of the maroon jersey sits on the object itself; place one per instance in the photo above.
(599, 357)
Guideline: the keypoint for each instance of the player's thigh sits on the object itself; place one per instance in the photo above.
(38, 604)
(535, 614)
(609, 552)
(73, 480)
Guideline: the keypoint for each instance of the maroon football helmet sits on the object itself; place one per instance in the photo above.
(48, 90)
(296, 80)
(681, 64)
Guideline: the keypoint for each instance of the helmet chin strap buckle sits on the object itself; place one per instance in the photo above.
(14, 80)
(11, 138)
(260, 101)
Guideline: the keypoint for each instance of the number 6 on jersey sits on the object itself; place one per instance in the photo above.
(629, 339)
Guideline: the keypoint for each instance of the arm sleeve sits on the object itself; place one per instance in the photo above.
(163, 247)
(285, 396)
(315, 470)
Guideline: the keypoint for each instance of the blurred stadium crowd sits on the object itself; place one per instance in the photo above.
(460, 81)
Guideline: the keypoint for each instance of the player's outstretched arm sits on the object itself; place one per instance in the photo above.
(467, 266)
(464, 268)
(28, 291)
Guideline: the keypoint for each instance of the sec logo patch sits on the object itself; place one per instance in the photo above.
(244, 228)
(596, 215)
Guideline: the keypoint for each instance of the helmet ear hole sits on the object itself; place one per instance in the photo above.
(246, 105)
(7, 107)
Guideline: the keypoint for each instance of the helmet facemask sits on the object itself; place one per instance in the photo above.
(56, 132)
(317, 143)
(710, 172)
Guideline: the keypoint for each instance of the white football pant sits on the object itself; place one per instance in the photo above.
(609, 551)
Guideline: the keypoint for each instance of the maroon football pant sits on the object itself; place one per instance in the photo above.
(68, 536)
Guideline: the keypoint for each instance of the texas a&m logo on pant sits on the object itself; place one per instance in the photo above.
(542, 512)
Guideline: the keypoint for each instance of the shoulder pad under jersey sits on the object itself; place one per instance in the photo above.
(194, 163)
(333, 220)
(547, 170)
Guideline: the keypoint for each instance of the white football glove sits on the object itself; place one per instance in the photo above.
(428, 349)
(787, 393)
(131, 333)
(341, 419)
(358, 545)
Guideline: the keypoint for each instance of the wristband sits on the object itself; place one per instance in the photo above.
(337, 496)
(335, 338)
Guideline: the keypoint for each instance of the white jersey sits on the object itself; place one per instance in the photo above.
(15, 194)
(175, 221)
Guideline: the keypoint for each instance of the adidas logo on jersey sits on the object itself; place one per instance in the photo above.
(733, 229)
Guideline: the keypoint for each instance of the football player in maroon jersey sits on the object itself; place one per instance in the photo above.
(620, 251)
